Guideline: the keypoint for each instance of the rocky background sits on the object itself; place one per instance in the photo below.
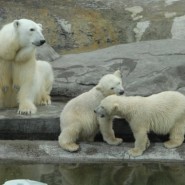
(73, 26)
(145, 39)
(86, 39)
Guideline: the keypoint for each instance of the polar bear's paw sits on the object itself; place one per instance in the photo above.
(71, 147)
(45, 100)
(115, 141)
(135, 152)
(27, 108)
(172, 144)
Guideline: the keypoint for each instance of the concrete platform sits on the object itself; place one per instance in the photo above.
(21, 151)
(42, 125)
(33, 139)
(45, 125)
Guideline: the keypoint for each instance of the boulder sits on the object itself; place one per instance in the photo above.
(147, 67)
(47, 53)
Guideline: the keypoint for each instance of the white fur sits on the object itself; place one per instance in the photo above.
(161, 113)
(78, 120)
(24, 81)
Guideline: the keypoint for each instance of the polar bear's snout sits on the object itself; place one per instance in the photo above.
(42, 42)
(121, 92)
(38, 38)
(39, 43)
(100, 111)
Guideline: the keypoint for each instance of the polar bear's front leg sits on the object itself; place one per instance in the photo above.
(26, 107)
(5, 76)
(107, 132)
(25, 100)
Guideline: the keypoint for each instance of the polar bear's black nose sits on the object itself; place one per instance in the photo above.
(121, 92)
(42, 42)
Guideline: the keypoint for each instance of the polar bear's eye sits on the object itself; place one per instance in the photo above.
(32, 29)
(112, 88)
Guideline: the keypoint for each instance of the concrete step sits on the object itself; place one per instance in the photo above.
(23, 151)
(42, 125)
(32, 139)
(45, 125)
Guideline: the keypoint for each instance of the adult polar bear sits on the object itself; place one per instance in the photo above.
(161, 113)
(78, 120)
(24, 81)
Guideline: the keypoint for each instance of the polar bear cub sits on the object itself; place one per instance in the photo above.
(161, 113)
(24, 81)
(78, 120)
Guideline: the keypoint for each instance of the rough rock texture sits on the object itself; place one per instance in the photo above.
(147, 67)
(47, 53)
(81, 25)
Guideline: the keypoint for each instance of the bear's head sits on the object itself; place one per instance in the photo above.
(108, 107)
(111, 84)
(29, 33)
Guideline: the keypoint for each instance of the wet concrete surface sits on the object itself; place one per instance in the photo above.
(22, 151)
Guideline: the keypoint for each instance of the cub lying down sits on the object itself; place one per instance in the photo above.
(78, 120)
(161, 113)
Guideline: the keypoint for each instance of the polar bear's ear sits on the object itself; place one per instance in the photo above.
(117, 73)
(98, 87)
(40, 25)
(16, 23)
(116, 106)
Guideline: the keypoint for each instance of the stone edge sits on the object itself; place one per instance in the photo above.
(49, 152)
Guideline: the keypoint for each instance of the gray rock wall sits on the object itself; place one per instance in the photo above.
(84, 25)
(147, 67)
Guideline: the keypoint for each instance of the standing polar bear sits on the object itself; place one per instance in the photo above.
(161, 113)
(78, 120)
(24, 81)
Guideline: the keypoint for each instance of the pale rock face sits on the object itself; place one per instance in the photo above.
(170, 14)
(66, 26)
(170, 2)
(178, 28)
(140, 29)
(135, 10)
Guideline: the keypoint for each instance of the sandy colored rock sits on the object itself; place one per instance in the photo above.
(73, 26)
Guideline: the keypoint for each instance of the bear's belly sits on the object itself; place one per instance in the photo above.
(161, 127)
(89, 129)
